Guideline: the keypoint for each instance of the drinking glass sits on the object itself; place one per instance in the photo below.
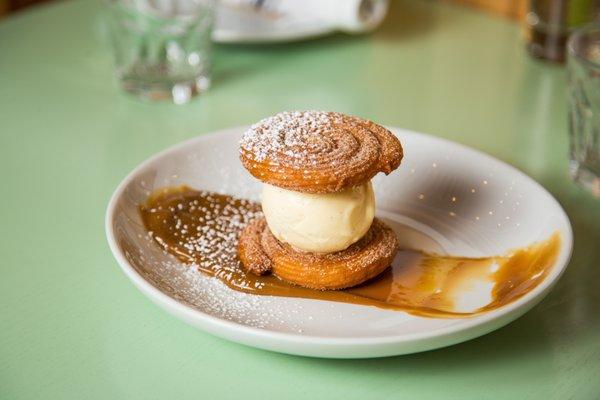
(162, 48)
(584, 106)
(550, 22)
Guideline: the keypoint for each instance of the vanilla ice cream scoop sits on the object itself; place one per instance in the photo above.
(319, 223)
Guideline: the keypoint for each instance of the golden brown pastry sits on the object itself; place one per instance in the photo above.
(260, 252)
(318, 152)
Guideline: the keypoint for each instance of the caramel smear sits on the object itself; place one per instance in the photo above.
(201, 228)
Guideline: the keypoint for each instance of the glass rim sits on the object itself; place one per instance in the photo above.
(575, 37)
(120, 5)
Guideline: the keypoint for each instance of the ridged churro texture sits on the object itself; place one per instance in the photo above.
(260, 252)
(317, 151)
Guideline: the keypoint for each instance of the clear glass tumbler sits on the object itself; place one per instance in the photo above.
(162, 48)
(584, 113)
(549, 23)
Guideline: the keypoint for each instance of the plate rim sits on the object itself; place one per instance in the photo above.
(219, 326)
(300, 29)
(229, 36)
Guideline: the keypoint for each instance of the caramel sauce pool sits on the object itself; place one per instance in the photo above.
(201, 228)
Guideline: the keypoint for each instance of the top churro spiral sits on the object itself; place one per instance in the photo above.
(318, 152)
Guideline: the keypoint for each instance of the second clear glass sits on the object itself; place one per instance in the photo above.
(584, 108)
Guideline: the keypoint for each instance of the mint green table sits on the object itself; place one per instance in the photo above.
(73, 327)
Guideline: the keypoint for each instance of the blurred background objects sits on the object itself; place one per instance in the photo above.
(515, 9)
(550, 22)
(547, 23)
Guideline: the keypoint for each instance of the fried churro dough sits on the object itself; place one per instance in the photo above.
(317, 151)
(260, 253)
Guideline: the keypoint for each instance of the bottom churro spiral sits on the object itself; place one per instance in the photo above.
(260, 252)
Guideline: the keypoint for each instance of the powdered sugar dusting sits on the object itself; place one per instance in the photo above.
(202, 228)
(208, 249)
(290, 133)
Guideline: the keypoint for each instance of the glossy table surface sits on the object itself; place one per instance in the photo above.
(73, 327)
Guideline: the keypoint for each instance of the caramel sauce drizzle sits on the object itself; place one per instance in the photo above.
(201, 228)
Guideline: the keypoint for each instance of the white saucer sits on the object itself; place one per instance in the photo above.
(242, 25)
(496, 209)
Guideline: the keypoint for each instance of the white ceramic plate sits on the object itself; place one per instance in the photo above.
(497, 208)
(240, 25)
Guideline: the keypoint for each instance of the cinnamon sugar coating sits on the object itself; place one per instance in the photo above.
(317, 151)
(260, 252)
